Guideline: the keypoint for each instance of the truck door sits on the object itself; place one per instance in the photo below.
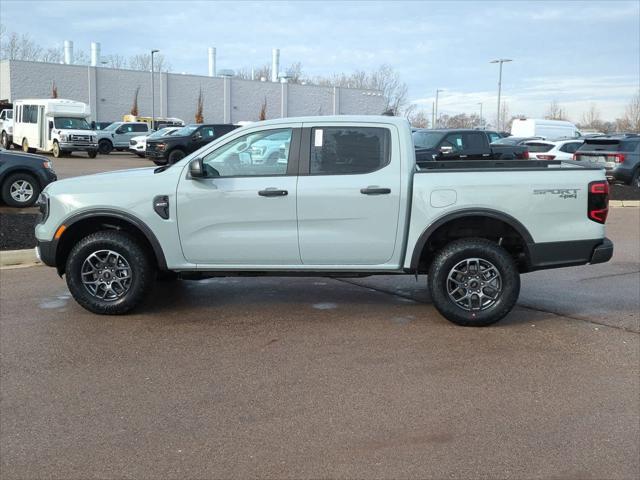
(348, 195)
(242, 213)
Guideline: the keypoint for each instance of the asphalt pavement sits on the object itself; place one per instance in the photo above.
(314, 377)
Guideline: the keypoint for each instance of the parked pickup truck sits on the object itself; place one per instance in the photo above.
(172, 148)
(463, 145)
(345, 199)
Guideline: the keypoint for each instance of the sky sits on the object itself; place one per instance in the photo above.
(576, 53)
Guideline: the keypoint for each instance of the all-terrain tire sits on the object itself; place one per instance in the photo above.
(105, 147)
(450, 256)
(175, 156)
(141, 270)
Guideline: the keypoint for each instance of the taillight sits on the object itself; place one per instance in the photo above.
(546, 157)
(525, 155)
(598, 203)
(576, 157)
(617, 157)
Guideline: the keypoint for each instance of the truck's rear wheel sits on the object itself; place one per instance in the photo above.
(108, 272)
(473, 282)
(25, 146)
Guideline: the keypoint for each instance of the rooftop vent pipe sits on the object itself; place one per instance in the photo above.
(95, 54)
(68, 52)
(275, 64)
(212, 61)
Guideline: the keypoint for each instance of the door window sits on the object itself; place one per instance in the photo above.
(493, 137)
(139, 127)
(255, 154)
(570, 147)
(348, 150)
(206, 132)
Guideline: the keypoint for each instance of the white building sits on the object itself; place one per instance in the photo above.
(110, 93)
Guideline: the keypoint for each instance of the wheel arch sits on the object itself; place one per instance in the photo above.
(474, 222)
(85, 223)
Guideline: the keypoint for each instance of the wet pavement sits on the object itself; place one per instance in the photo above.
(314, 377)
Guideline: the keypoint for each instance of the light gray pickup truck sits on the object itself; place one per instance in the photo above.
(344, 199)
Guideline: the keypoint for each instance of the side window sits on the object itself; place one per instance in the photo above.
(474, 141)
(33, 114)
(493, 137)
(207, 132)
(255, 154)
(140, 127)
(349, 150)
(455, 141)
(570, 147)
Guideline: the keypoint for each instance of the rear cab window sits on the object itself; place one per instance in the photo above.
(349, 150)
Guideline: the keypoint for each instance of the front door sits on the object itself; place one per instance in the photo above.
(349, 195)
(243, 212)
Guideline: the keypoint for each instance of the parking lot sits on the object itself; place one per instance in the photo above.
(314, 377)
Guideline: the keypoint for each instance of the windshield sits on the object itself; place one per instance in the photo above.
(163, 132)
(426, 139)
(70, 123)
(185, 131)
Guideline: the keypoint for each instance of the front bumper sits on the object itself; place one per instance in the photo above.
(155, 155)
(73, 147)
(46, 251)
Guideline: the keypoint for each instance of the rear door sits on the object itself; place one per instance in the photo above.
(348, 194)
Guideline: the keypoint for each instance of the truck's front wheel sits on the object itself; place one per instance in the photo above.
(108, 272)
(473, 282)
(57, 153)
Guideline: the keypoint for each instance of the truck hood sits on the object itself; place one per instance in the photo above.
(117, 182)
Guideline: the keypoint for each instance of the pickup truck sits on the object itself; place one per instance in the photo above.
(6, 128)
(465, 144)
(172, 148)
(346, 200)
(118, 134)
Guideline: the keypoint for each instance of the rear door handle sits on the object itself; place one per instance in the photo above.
(272, 192)
(375, 191)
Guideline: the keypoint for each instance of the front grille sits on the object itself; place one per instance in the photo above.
(81, 138)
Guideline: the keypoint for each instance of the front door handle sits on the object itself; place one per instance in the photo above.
(375, 191)
(272, 192)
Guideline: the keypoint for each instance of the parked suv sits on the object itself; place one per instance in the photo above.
(618, 154)
(556, 150)
(171, 149)
(117, 135)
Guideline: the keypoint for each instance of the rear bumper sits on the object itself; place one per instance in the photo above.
(543, 256)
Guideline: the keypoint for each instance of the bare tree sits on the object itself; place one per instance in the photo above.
(142, 61)
(591, 119)
(555, 111)
(631, 120)
(200, 108)
(115, 61)
(417, 118)
(52, 55)
(134, 107)
(19, 47)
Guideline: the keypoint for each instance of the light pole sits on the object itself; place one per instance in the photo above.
(500, 61)
(481, 122)
(153, 94)
(435, 115)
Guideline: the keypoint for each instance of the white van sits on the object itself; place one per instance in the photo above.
(546, 129)
(54, 125)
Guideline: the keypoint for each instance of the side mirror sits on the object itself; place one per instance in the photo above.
(196, 168)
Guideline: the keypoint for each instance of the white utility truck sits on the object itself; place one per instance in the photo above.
(6, 128)
(55, 126)
(345, 199)
(546, 129)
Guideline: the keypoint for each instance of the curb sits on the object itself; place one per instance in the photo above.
(15, 258)
(624, 203)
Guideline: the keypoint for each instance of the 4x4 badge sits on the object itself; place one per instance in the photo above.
(561, 192)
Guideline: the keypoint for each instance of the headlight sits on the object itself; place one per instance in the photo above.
(48, 165)
(43, 206)
(63, 138)
(162, 146)
(10, 129)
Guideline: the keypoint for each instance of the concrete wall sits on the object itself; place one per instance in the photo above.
(110, 93)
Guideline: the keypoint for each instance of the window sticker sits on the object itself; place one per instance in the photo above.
(318, 138)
